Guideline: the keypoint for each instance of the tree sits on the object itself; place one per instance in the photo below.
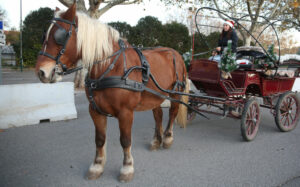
(94, 11)
(35, 24)
(256, 9)
(176, 36)
(124, 28)
(12, 37)
(147, 32)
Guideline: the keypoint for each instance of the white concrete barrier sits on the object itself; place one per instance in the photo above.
(28, 104)
(296, 86)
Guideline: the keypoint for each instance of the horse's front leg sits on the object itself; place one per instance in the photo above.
(125, 125)
(97, 167)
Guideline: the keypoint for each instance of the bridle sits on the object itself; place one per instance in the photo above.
(61, 37)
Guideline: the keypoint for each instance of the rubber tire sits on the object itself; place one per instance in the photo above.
(282, 97)
(244, 129)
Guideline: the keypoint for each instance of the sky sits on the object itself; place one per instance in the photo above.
(127, 13)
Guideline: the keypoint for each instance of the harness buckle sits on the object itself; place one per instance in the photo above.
(122, 44)
(140, 46)
(62, 51)
(93, 85)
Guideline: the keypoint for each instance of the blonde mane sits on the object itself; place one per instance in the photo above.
(94, 40)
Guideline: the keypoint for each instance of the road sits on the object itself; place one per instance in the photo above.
(206, 153)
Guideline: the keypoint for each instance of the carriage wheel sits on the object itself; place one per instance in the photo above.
(287, 112)
(250, 120)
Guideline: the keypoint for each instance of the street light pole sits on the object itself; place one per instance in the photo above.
(21, 45)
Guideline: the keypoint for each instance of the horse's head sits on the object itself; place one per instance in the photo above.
(59, 52)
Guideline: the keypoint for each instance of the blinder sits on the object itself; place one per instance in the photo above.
(60, 36)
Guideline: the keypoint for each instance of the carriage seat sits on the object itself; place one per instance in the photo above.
(252, 52)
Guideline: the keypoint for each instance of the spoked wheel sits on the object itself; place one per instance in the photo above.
(287, 112)
(250, 120)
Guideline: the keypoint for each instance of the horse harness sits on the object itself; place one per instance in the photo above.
(61, 37)
(123, 81)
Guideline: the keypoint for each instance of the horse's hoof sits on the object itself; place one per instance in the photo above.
(166, 146)
(126, 177)
(92, 175)
(154, 145)
(167, 142)
(95, 171)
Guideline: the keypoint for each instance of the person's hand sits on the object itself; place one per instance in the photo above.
(218, 48)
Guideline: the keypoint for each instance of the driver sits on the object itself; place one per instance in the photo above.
(228, 33)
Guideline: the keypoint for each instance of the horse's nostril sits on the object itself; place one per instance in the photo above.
(41, 73)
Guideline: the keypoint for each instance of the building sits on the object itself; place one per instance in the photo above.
(8, 55)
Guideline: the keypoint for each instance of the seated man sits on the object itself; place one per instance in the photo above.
(215, 56)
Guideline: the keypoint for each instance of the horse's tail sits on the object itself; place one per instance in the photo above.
(182, 111)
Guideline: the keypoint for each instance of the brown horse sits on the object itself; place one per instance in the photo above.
(74, 36)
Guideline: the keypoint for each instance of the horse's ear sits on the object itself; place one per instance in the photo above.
(57, 9)
(71, 12)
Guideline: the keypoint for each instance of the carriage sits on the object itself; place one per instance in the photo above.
(119, 82)
(249, 87)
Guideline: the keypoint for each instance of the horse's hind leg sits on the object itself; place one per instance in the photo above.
(97, 167)
(125, 124)
(168, 134)
(157, 139)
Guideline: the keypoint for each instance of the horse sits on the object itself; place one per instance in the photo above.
(74, 36)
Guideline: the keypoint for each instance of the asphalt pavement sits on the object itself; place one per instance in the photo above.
(206, 153)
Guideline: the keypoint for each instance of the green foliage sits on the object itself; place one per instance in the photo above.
(35, 24)
(228, 63)
(298, 53)
(271, 59)
(124, 29)
(176, 36)
(147, 32)
(200, 46)
(187, 58)
(150, 32)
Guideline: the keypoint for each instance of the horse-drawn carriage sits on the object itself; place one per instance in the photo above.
(237, 96)
(122, 79)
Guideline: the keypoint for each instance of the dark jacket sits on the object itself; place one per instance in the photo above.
(223, 41)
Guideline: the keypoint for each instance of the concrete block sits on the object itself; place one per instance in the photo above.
(28, 104)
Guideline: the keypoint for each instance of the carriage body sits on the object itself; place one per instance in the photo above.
(206, 75)
(239, 95)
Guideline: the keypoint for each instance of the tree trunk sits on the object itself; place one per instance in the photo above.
(248, 40)
(80, 77)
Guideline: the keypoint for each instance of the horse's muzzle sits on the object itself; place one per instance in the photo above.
(47, 75)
